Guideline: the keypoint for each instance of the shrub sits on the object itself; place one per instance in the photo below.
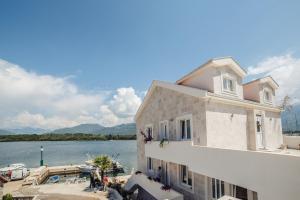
(7, 197)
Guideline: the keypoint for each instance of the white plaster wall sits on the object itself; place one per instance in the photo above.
(251, 92)
(251, 130)
(226, 126)
(293, 142)
(210, 79)
(261, 93)
(218, 82)
(273, 130)
(272, 176)
(203, 80)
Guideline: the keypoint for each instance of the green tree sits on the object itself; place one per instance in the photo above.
(103, 162)
(7, 197)
(287, 105)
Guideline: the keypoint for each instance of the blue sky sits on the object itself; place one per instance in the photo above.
(107, 45)
(138, 41)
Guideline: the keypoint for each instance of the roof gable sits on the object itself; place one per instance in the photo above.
(171, 86)
(267, 79)
(195, 92)
(216, 62)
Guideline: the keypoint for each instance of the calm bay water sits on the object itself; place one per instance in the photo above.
(66, 152)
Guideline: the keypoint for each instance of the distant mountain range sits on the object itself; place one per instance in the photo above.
(5, 132)
(82, 128)
(290, 122)
(123, 129)
(28, 130)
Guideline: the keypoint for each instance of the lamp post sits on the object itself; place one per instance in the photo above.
(42, 161)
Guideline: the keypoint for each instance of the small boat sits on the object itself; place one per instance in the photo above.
(116, 168)
(89, 165)
(86, 168)
(53, 179)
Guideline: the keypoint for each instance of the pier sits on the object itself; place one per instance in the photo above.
(39, 175)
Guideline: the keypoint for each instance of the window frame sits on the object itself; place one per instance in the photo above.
(228, 88)
(185, 118)
(149, 126)
(149, 163)
(161, 134)
(186, 186)
(217, 184)
(266, 90)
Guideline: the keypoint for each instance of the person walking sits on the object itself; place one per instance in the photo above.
(158, 175)
(92, 180)
(105, 182)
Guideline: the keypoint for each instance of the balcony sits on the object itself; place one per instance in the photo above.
(151, 187)
(273, 175)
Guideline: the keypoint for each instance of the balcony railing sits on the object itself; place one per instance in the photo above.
(156, 189)
(244, 168)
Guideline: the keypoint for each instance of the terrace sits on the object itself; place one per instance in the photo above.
(150, 188)
(248, 169)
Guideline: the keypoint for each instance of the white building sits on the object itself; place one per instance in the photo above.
(215, 137)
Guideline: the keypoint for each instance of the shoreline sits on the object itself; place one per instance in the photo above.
(65, 137)
(33, 185)
(65, 140)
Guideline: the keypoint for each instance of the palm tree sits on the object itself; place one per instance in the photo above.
(104, 162)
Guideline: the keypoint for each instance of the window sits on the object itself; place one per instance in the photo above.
(228, 84)
(240, 192)
(217, 188)
(149, 132)
(149, 163)
(163, 130)
(258, 123)
(186, 176)
(267, 96)
(185, 129)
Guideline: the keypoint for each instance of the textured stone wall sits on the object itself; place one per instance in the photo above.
(213, 124)
(166, 104)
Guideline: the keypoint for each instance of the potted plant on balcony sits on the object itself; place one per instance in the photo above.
(146, 138)
(166, 187)
(163, 142)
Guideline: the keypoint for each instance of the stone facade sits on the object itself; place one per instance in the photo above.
(168, 105)
(214, 124)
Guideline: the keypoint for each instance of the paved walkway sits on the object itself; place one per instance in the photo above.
(61, 191)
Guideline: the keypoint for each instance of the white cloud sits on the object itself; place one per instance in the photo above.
(45, 101)
(285, 69)
(125, 103)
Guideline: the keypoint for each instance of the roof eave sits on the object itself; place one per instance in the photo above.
(237, 68)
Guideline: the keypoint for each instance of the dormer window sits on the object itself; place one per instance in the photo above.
(267, 96)
(228, 84)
